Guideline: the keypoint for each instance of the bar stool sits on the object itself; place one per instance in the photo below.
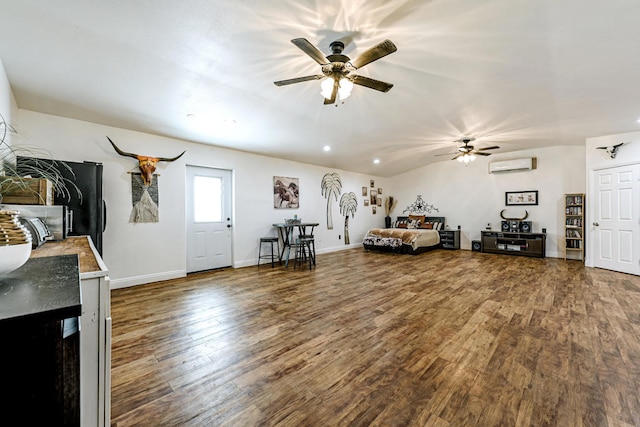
(310, 242)
(295, 245)
(273, 256)
(305, 251)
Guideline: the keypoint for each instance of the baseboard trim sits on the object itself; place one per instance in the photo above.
(147, 278)
(254, 261)
(168, 275)
(340, 248)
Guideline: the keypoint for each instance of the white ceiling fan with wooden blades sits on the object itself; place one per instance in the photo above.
(337, 69)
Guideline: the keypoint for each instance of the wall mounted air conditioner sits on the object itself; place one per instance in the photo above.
(512, 165)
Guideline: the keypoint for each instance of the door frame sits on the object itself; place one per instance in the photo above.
(232, 205)
(589, 229)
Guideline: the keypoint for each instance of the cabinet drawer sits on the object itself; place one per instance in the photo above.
(449, 239)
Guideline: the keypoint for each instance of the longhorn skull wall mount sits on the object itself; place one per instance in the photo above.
(147, 164)
(611, 150)
(526, 214)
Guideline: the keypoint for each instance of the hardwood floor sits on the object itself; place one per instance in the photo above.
(445, 338)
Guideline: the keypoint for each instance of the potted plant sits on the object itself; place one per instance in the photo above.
(15, 240)
(11, 179)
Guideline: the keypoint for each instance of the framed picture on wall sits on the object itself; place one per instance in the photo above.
(373, 195)
(364, 191)
(286, 192)
(521, 198)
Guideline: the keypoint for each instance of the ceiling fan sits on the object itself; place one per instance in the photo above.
(466, 153)
(337, 69)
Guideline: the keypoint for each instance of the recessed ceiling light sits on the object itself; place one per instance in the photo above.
(638, 120)
(327, 148)
(376, 161)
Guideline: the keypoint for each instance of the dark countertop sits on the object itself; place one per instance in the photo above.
(45, 288)
(75, 245)
(91, 264)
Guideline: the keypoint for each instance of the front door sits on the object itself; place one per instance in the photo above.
(208, 218)
(616, 221)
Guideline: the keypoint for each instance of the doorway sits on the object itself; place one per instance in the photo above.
(616, 219)
(208, 218)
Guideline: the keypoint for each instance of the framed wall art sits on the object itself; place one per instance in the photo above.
(286, 192)
(521, 198)
(373, 195)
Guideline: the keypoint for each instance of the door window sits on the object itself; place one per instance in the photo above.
(207, 199)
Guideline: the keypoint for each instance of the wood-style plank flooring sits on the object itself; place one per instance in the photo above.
(445, 338)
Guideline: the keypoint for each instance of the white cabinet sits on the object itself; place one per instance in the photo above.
(95, 328)
(95, 347)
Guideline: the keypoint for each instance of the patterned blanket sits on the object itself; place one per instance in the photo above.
(407, 236)
(414, 237)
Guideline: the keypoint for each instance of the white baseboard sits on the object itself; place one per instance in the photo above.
(245, 263)
(254, 261)
(340, 248)
(147, 278)
(168, 275)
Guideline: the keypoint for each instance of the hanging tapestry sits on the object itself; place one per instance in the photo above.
(145, 199)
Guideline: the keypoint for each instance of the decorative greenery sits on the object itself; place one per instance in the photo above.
(348, 206)
(389, 205)
(331, 186)
(12, 179)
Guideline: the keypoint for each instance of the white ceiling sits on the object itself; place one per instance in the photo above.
(516, 73)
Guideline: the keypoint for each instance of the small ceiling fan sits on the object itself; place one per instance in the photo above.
(337, 69)
(467, 152)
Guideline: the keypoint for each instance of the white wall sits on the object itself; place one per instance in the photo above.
(142, 253)
(466, 195)
(471, 197)
(597, 159)
(8, 107)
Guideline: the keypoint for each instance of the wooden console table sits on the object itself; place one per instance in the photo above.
(523, 244)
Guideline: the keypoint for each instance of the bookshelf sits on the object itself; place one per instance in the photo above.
(574, 226)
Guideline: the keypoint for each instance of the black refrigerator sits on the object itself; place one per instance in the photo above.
(87, 210)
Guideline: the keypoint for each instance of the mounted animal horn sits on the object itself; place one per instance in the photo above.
(526, 214)
(147, 164)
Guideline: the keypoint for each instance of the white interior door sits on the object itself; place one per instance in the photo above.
(208, 218)
(616, 224)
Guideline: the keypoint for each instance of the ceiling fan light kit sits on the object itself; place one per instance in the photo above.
(466, 158)
(468, 153)
(337, 80)
(344, 87)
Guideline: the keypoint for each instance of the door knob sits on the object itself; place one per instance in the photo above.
(595, 224)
